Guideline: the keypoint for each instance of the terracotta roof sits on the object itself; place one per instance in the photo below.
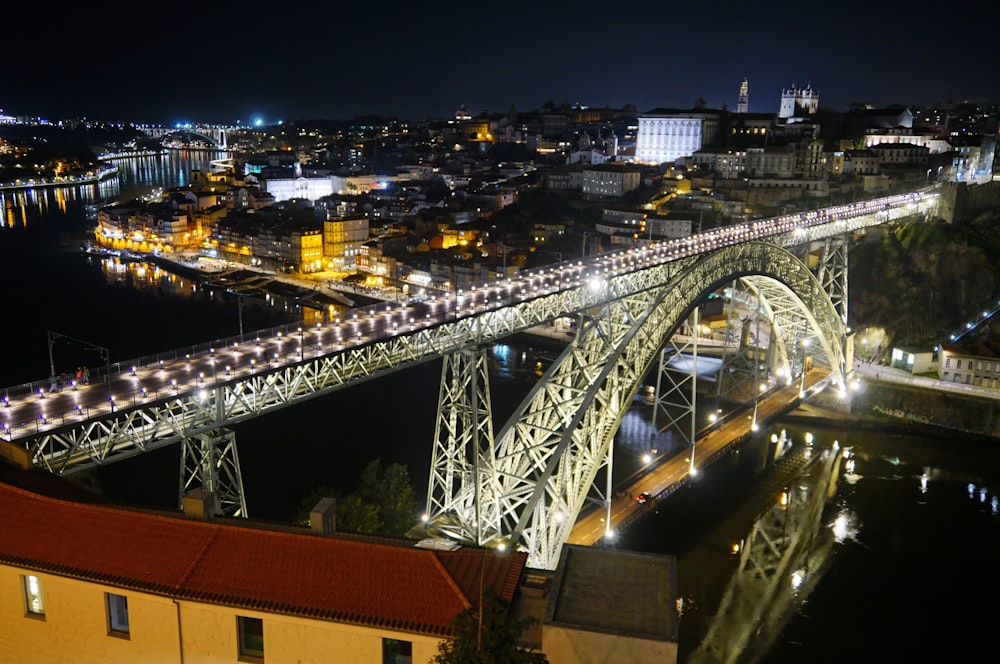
(387, 584)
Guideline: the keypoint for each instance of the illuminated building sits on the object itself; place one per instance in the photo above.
(743, 101)
(666, 135)
(796, 100)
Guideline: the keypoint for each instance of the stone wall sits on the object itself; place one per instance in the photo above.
(906, 405)
(960, 201)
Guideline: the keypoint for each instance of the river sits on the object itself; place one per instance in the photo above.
(914, 531)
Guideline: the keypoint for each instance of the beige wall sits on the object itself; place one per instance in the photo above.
(568, 646)
(75, 630)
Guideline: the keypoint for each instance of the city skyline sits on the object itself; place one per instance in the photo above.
(217, 66)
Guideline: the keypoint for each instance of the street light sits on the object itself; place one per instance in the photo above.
(802, 384)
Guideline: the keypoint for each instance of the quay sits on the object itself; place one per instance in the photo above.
(73, 181)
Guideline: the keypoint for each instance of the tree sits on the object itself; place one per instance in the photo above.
(383, 504)
(486, 634)
(390, 491)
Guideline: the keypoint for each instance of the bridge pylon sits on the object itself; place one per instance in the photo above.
(832, 272)
(209, 461)
(463, 459)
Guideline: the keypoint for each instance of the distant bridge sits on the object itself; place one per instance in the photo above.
(216, 134)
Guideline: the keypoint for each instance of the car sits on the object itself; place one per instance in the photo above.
(643, 498)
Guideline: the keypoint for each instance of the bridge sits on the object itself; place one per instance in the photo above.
(215, 134)
(524, 485)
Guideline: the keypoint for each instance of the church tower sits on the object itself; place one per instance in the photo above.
(743, 101)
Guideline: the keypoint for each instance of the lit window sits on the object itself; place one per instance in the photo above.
(395, 651)
(117, 613)
(33, 602)
(251, 634)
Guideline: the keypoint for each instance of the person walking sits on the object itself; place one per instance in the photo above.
(86, 375)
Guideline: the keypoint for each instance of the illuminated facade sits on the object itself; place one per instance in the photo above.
(665, 136)
(743, 101)
(343, 238)
(800, 100)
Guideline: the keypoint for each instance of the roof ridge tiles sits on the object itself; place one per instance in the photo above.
(451, 581)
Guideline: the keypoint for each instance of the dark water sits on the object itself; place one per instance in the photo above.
(914, 534)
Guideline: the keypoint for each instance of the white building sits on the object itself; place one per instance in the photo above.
(797, 98)
(665, 136)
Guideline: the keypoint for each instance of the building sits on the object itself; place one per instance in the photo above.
(797, 101)
(99, 583)
(743, 101)
(343, 238)
(610, 180)
(973, 357)
(912, 359)
(666, 135)
(587, 619)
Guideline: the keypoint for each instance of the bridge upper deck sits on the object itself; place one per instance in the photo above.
(34, 410)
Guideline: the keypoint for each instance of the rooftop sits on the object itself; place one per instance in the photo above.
(617, 592)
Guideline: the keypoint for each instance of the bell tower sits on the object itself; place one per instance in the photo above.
(743, 101)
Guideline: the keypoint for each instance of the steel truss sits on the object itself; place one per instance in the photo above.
(463, 456)
(775, 559)
(833, 272)
(209, 461)
(549, 453)
(74, 441)
(676, 399)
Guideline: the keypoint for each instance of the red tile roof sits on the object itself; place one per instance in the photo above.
(381, 584)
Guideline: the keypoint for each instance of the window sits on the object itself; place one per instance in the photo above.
(251, 635)
(395, 651)
(117, 606)
(34, 605)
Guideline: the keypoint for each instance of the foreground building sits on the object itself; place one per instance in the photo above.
(83, 580)
(98, 583)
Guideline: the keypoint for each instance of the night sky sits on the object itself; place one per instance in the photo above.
(223, 62)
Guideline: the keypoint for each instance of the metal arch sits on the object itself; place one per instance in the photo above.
(548, 454)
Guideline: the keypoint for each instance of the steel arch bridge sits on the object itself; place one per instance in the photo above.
(526, 487)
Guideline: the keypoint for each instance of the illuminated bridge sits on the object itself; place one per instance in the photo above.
(524, 483)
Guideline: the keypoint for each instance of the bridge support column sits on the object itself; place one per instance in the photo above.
(209, 460)
(833, 272)
(463, 461)
(677, 388)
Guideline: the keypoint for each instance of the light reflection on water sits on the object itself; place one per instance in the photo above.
(136, 176)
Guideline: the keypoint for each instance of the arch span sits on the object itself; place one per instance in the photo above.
(531, 486)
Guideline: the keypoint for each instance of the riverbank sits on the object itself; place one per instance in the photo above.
(68, 181)
(812, 414)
